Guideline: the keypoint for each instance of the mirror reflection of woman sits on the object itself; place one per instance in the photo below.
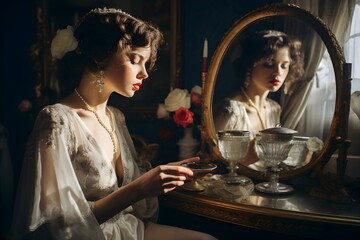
(268, 61)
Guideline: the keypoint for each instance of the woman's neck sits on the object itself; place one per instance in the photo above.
(90, 92)
(256, 101)
(254, 97)
(90, 96)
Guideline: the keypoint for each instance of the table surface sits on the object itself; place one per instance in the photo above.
(297, 204)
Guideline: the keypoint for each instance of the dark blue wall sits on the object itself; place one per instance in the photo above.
(18, 33)
(208, 19)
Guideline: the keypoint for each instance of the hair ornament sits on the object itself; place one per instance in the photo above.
(103, 11)
(273, 33)
(63, 42)
(108, 10)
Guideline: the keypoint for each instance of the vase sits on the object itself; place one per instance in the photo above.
(188, 145)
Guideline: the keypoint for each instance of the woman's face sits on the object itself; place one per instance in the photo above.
(269, 74)
(127, 71)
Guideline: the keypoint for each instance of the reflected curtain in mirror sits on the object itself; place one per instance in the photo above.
(304, 102)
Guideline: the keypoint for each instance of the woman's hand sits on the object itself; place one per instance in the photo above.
(188, 160)
(164, 178)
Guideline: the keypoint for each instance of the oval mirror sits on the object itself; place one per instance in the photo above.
(221, 80)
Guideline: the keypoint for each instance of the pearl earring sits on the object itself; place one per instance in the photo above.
(247, 79)
(99, 82)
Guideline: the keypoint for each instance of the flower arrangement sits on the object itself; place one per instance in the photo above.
(183, 107)
(63, 42)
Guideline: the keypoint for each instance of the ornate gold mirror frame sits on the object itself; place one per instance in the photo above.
(337, 136)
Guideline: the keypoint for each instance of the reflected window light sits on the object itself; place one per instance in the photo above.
(352, 48)
(352, 55)
(324, 91)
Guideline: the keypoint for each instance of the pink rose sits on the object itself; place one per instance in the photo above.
(183, 117)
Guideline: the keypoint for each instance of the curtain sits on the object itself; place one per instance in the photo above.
(352, 55)
(297, 112)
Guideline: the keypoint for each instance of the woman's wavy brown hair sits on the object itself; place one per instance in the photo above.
(264, 44)
(101, 33)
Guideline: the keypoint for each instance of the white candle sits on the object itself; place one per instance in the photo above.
(205, 55)
(205, 50)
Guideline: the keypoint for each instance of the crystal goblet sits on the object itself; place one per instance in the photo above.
(233, 146)
(273, 146)
(199, 169)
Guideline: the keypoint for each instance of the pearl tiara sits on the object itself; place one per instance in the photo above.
(103, 11)
(108, 10)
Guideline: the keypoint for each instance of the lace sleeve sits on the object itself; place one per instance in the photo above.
(50, 201)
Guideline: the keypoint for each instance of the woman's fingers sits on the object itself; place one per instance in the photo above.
(172, 178)
(170, 182)
(192, 159)
(171, 185)
(175, 170)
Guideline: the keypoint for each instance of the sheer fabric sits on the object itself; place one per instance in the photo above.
(337, 16)
(231, 115)
(352, 55)
(65, 171)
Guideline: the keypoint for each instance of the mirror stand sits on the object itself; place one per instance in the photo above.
(332, 187)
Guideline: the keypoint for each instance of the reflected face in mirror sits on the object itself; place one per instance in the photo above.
(307, 101)
(269, 74)
(268, 58)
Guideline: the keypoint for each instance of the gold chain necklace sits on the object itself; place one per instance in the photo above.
(90, 109)
(252, 104)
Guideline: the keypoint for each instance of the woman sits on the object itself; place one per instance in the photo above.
(269, 59)
(81, 178)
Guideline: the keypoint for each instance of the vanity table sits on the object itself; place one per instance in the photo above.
(296, 215)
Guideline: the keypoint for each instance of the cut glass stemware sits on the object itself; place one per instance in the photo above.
(233, 146)
(273, 146)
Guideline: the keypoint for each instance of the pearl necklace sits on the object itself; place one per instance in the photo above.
(90, 109)
(252, 104)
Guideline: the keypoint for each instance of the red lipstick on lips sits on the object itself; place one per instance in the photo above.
(136, 87)
(275, 82)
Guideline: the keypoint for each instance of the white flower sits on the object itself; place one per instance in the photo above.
(161, 112)
(177, 98)
(63, 42)
(314, 144)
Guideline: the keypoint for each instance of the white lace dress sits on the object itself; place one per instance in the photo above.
(234, 114)
(64, 171)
